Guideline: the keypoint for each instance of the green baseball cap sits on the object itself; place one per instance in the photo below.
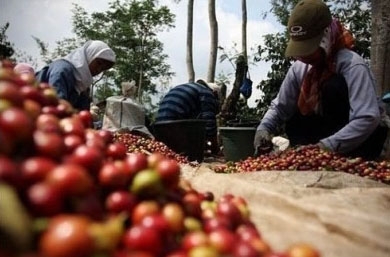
(306, 26)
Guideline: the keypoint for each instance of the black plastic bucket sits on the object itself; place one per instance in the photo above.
(185, 137)
(237, 142)
(242, 123)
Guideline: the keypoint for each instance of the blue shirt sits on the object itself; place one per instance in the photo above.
(190, 101)
(60, 75)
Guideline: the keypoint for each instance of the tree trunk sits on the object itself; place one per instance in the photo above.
(380, 45)
(213, 41)
(189, 58)
(141, 72)
(243, 35)
(229, 108)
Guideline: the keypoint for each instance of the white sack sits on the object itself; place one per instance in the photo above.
(122, 112)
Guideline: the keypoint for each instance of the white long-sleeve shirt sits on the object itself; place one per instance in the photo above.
(364, 114)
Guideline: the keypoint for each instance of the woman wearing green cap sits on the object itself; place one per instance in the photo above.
(328, 95)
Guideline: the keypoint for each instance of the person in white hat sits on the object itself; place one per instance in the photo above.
(328, 95)
(73, 74)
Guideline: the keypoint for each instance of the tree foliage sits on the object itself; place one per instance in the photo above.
(354, 14)
(6, 47)
(130, 28)
(213, 23)
(189, 41)
(273, 52)
(380, 45)
(9, 51)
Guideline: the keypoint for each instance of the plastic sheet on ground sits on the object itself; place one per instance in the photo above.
(342, 215)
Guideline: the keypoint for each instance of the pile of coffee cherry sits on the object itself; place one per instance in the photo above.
(310, 158)
(142, 144)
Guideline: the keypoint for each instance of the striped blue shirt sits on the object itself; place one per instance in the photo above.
(190, 101)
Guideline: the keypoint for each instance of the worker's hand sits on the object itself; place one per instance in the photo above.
(263, 142)
(322, 146)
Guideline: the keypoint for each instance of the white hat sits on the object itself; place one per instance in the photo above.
(213, 86)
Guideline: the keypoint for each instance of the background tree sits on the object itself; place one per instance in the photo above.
(229, 108)
(233, 108)
(243, 30)
(213, 41)
(380, 46)
(130, 28)
(356, 16)
(6, 48)
(189, 43)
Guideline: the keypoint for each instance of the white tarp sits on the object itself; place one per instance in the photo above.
(342, 215)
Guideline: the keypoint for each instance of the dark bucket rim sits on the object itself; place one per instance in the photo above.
(179, 121)
(242, 123)
(237, 128)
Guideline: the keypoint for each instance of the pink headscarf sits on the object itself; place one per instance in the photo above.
(22, 68)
